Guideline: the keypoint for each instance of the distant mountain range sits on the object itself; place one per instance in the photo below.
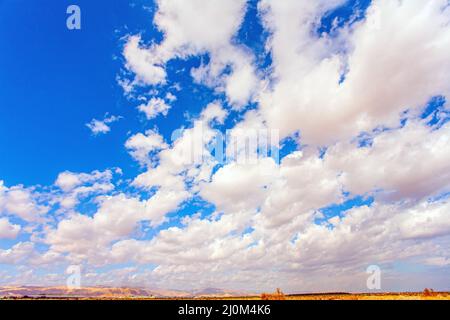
(106, 292)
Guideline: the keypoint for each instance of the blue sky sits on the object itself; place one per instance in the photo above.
(55, 80)
(354, 140)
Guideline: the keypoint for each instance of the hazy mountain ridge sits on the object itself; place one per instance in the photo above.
(35, 291)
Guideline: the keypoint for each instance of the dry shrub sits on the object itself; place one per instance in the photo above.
(429, 293)
(278, 295)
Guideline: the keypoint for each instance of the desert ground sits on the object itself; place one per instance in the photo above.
(102, 293)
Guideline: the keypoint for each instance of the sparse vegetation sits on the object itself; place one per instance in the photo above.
(278, 295)
(429, 293)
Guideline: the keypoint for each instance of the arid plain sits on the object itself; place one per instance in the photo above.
(104, 293)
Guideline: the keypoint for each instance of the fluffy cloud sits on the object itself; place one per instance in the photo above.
(240, 186)
(88, 238)
(140, 145)
(191, 28)
(118, 217)
(68, 181)
(8, 230)
(21, 202)
(85, 236)
(142, 63)
(102, 126)
(187, 153)
(75, 186)
(334, 87)
(412, 162)
(240, 86)
(305, 184)
(195, 26)
(17, 254)
(380, 233)
(154, 107)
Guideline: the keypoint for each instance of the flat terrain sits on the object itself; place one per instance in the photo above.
(349, 296)
(104, 293)
(363, 296)
(368, 296)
